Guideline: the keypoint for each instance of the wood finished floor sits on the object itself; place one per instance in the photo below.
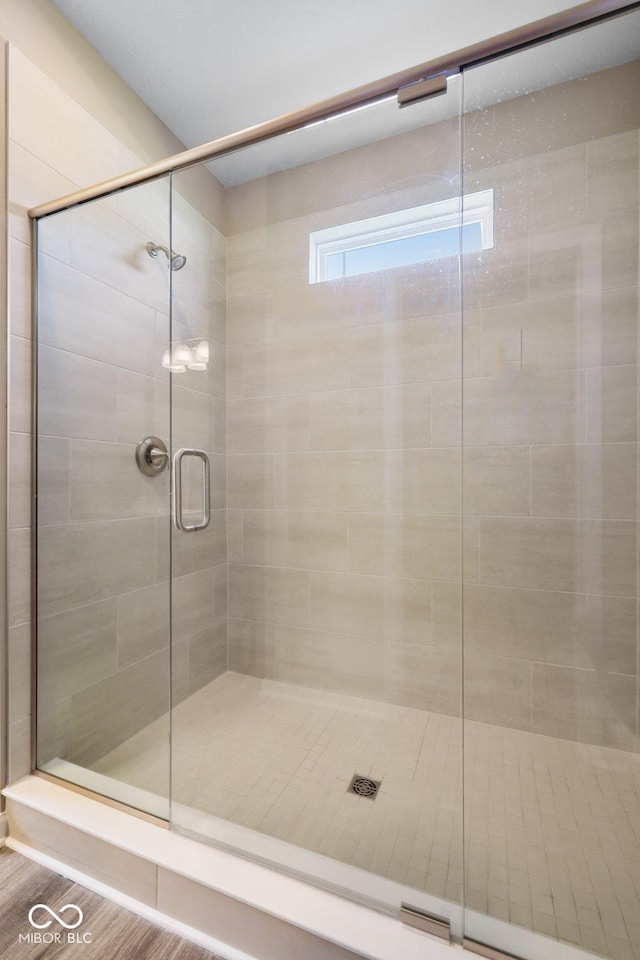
(117, 934)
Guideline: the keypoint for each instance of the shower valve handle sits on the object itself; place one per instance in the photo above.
(152, 456)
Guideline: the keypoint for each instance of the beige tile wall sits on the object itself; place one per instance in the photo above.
(345, 471)
(105, 538)
(342, 514)
(550, 629)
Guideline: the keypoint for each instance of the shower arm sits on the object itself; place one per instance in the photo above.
(176, 260)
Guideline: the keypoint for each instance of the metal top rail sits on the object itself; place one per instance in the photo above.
(452, 63)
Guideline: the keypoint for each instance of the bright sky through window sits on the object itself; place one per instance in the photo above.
(401, 238)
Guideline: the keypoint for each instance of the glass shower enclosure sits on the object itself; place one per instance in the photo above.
(337, 500)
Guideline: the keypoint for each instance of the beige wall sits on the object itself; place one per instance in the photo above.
(50, 41)
(344, 426)
(73, 122)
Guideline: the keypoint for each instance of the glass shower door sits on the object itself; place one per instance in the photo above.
(550, 425)
(103, 521)
(317, 719)
(198, 430)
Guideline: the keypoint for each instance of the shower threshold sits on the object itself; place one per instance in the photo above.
(231, 906)
(125, 793)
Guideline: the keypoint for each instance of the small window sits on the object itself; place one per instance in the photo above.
(399, 239)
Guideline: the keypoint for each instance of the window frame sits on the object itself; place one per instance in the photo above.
(399, 225)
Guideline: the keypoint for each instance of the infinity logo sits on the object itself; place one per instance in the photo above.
(47, 923)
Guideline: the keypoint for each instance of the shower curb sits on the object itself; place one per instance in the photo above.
(243, 910)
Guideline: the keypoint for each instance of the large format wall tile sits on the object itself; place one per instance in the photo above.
(269, 594)
(371, 418)
(394, 545)
(521, 413)
(424, 481)
(366, 606)
(21, 319)
(193, 603)
(425, 677)
(77, 396)
(85, 316)
(207, 655)
(143, 405)
(420, 349)
(314, 541)
(193, 419)
(271, 425)
(613, 165)
(84, 562)
(496, 481)
(143, 623)
(497, 275)
(295, 365)
(251, 481)
(586, 705)
(497, 690)
(34, 181)
(330, 481)
(548, 626)
(107, 713)
(77, 648)
(611, 396)
(109, 248)
(586, 255)
(54, 504)
(19, 660)
(568, 332)
(20, 385)
(192, 552)
(327, 661)
(579, 556)
(19, 576)
(45, 120)
(105, 483)
(20, 493)
(524, 407)
(590, 480)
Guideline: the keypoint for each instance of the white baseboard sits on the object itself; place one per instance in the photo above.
(128, 903)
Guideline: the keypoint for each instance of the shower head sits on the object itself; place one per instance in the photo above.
(176, 260)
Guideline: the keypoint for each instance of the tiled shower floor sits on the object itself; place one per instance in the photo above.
(552, 826)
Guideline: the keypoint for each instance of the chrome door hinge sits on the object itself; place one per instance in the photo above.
(422, 90)
(437, 926)
(482, 950)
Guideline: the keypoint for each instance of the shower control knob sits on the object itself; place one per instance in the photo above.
(152, 456)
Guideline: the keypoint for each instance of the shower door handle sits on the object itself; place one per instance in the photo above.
(177, 490)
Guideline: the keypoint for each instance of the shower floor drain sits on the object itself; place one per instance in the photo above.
(364, 786)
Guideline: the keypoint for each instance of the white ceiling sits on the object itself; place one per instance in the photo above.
(210, 67)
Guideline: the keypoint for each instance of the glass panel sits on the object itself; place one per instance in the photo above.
(552, 760)
(199, 608)
(102, 525)
(343, 523)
